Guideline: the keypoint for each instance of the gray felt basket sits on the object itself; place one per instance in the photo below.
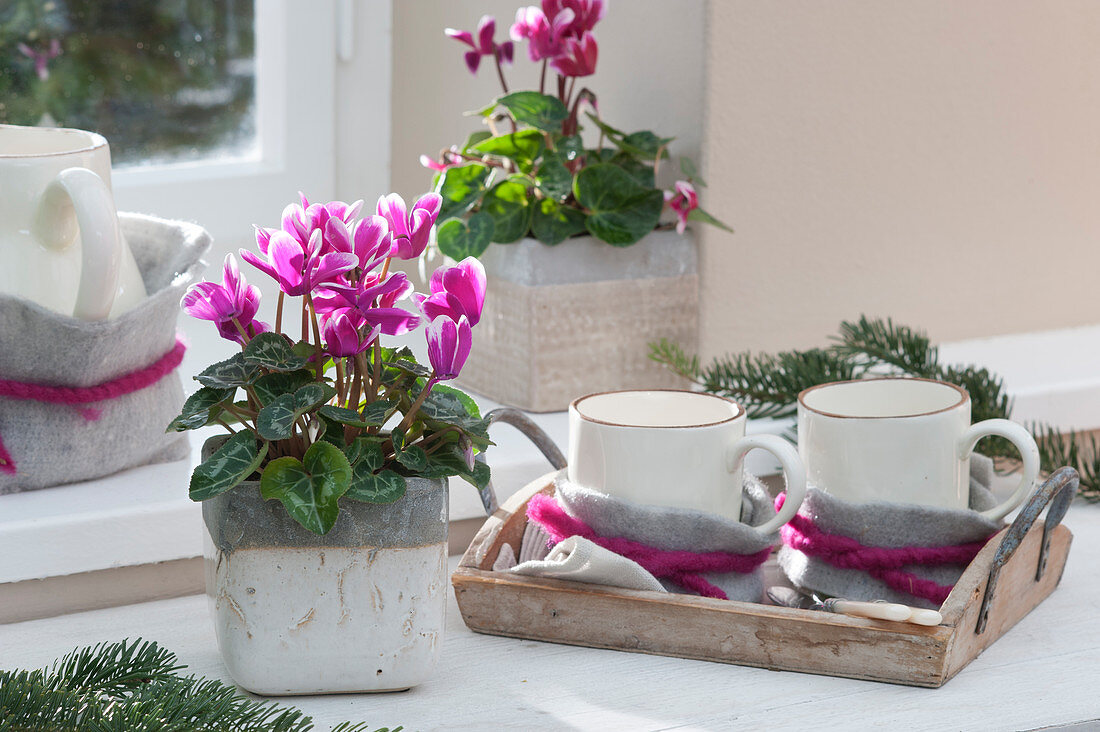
(51, 444)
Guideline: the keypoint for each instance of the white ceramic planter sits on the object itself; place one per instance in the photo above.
(577, 318)
(360, 609)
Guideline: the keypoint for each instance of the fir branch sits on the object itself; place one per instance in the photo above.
(878, 342)
(133, 687)
(1057, 448)
(766, 385)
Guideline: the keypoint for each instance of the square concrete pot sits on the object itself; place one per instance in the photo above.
(576, 318)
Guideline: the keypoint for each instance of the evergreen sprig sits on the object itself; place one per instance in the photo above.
(768, 385)
(133, 687)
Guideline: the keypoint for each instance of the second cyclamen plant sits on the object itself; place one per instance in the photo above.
(317, 405)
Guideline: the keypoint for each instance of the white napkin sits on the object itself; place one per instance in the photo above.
(579, 560)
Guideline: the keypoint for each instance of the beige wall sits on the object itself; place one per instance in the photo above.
(649, 74)
(938, 162)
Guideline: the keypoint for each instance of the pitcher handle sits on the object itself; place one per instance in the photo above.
(531, 431)
(81, 191)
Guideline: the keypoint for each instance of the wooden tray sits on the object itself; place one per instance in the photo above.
(1015, 571)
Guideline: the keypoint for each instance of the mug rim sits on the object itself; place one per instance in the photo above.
(740, 410)
(963, 398)
(94, 141)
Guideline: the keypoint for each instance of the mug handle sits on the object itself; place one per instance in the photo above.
(793, 471)
(85, 192)
(1029, 454)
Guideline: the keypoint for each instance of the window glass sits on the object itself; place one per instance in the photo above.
(162, 80)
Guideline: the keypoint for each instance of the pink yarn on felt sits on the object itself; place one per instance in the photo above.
(681, 567)
(882, 563)
(76, 396)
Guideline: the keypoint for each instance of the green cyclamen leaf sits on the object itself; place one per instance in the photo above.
(276, 420)
(523, 147)
(459, 239)
(272, 351)
(230, 464)
(538, 110)
(198, 410)
(366, 450)
(373, 415)
(270, 387)
(230, 373)
(702, 216)
(510, 207)
(622, 210)
(553, 178)
(553, 223)
(412, 457)
(369, 487)
(461, 187)
(310, 489)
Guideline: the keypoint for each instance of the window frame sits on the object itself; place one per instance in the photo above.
(295, 123)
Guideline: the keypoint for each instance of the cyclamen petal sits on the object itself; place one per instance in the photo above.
(486, 27)
(372, 241)
(392, 209)
(448, 346)
(456, 292)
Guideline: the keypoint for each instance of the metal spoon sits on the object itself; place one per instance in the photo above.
(878, 610)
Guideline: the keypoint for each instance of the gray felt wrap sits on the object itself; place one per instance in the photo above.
(53, 444)
(680, 529)
(891, 525)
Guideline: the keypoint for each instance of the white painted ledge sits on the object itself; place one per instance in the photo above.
(143, 516)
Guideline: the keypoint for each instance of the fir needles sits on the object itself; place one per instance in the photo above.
(768, 384)
(133, 687)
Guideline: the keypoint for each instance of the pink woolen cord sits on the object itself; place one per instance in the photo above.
(76, 396)
(882, 563)
(682, 567)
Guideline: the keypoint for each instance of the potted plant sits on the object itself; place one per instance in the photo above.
(572, 212)
(326, 501)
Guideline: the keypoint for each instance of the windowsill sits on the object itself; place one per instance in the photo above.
(143, 516)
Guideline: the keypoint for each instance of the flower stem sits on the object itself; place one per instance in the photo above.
(542, 77)
(305, 321)
(500, 71)
(223, 423)
(340, 383)
(416, 405)
(319, 354)
(279, 313)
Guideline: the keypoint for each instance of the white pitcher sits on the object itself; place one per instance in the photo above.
(60, 241)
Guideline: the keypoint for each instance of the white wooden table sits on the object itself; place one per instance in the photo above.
(1042, 674)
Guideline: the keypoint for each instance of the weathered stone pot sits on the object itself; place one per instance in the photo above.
(359, 609)
(577, 318)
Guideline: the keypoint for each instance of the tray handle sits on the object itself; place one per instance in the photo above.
(1058, 491)
(541, 440)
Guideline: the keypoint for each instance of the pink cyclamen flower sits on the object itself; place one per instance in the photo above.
(683, 202)
(484, 45)
(448, 346)
(375, 300)
(41, 58)
(447, 160)
(369, 240)
(300, 221)
(411, 230)
(579, 58)
(235, 300)
(545, 35)
(300, 268)
(456, 292)
(341, 333)
(584, 14)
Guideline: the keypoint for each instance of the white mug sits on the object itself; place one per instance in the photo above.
(60, 241)
(673, 448)
(901, 440)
